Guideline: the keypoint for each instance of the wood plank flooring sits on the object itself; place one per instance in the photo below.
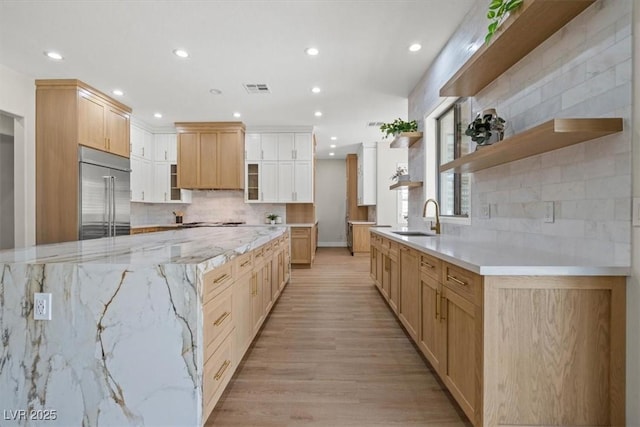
(332, 354)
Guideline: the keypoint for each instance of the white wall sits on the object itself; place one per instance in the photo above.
(331, 202)
(387, 200)
(17, 98)
(7, 206)
(584, 70)
(633, 283)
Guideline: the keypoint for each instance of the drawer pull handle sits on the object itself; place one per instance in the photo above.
(221, 278)
(245, 263)
(437, 298)
(221, 318)
(426, 264)
(455, 279)
(222, 369)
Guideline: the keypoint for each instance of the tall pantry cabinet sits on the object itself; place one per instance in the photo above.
(70, 113)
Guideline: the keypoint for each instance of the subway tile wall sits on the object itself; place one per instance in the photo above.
(207, 206)
(584, 70)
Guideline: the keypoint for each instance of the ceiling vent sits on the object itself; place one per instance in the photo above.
(374, 124)
(254, 88)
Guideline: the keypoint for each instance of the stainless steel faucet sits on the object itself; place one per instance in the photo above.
(436, 227)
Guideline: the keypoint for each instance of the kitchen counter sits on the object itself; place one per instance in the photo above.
(362, 222)
(125, 343)
(496, 259)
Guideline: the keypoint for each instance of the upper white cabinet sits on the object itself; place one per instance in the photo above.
(141, 143)
(165, 147)
(367, 175)
(280, 167)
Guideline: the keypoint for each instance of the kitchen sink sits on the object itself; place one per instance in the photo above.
(413, 233)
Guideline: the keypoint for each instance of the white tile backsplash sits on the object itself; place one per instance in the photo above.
(584, 70)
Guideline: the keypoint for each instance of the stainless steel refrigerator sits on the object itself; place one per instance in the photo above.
(104, 202)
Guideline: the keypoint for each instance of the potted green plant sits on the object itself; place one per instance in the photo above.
(272, 217)
(487, 128)
(398, 126)
(401, 174)
(498, 11)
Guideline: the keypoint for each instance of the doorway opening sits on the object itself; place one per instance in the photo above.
(7, 182)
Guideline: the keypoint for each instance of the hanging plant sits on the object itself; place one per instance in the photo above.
(497, 11)
(398, 126)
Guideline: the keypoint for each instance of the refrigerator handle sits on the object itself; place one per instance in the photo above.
(107, 204)
(113, 203)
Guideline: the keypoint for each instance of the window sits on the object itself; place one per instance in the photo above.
(452, 143)
(403, 202)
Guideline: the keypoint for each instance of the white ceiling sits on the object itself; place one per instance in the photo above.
(364, 68)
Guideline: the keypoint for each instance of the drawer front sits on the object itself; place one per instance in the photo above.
(218, 318)
(217, 372)
(394, 250)
(464, 282)
(300, 232)
(431, 266)
(216, 280)
(243, 264)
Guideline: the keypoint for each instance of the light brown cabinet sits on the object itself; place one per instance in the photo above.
(70, 113)
(210, 155)
(303, 244)
(556, 343)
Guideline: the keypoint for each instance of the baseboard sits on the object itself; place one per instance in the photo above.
(332, 244)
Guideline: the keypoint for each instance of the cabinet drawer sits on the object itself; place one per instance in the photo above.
(431, 266)
(243, 264)
(218, 318)
(300, 232)
(217, 372)
(216, 280)
(463, 282)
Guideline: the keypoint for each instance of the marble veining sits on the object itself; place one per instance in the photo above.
(125, 343)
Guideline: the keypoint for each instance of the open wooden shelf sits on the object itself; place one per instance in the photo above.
(406, 139)
(549, 136)
(409, 184)
(526, 28)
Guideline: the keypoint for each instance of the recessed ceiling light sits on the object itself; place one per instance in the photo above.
(53, 55)
(415, 47)
(333, 138)
(332, 146)
(236, 115)
(215, 91)
(181, 53)
(157, 115)
(332, 154)
(311, 51)
(118, 92)
(315, 89)
(318, 114)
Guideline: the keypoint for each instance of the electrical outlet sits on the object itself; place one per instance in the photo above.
(41, 306)
(549, 212)
(485, 211)
(636, 212)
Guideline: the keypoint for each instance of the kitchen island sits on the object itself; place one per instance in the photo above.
(518, 336)
(145, 329)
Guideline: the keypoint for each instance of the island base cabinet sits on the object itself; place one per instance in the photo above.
(243, 307)
(579, 377)
(431, 332)
(409, 308)
(217, 373)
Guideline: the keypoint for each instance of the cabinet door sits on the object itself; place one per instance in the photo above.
(303, 182)
(409, 309)
(303, 146)
(301, 245)
(267, 295)
(432, 325)
(141, 177)
(188, 160)
(285, 182)
(253, 172)
(257, 301)
(137, 141)
(459, 341)
(394, 284)
(229, 162)
(269, 146)
(252, 151)
(208, 160)
(385, 279)
(269, 182)
(91, 125)
(118, 132)
(286, 146)
(165, 147)
(373, 263)
(161, 182)
(242, 304)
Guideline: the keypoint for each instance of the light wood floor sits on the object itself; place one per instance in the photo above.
(332, 354)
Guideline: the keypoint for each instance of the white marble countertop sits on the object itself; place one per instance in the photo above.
(182, 246)
(495, 259)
